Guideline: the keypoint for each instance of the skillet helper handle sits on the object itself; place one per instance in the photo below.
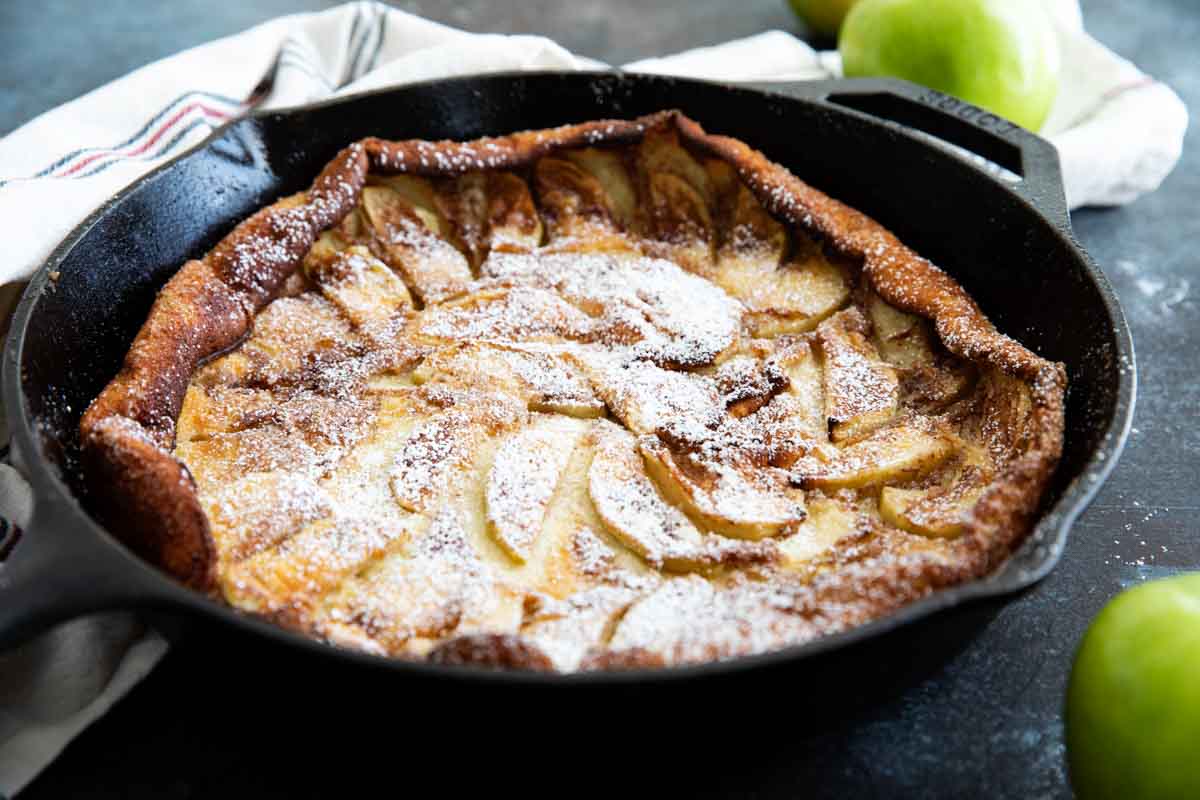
(49, 573)
(1032, 161)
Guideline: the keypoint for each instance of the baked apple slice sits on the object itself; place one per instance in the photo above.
(892, 455)
(828, 522)
(409, 234)
(503, 315)
(683, 406)
(431, 585)
(750, 503)
(635, 513)
(523, 477)
(664, 314)
(546, 381)
(676, 214)
(250, 514)
(608, 168)
(747, 384)
(805, 385)
(861, 391)
(444, 446)
(360, 285)
(787, 284)
(490, 211)
(903, 339)
(577, 209)
(929, 380)
(939, 512)
(566, 630)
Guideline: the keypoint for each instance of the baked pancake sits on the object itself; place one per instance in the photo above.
(611, 395)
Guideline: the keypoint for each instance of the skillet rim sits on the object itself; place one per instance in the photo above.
(54, 498)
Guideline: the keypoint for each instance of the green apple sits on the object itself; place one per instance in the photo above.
(1001, 55)
(1133, 703)
(822, 16)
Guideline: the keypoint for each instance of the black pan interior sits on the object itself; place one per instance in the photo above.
(1021, 266)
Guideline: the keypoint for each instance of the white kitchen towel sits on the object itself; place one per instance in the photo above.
(1118, 131)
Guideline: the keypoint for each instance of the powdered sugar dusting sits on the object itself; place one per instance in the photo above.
(689, 619)
(634, 511)
(856, 384)
(522, 479)
(441, 587)
(387, 459)
(664, 313)
(444, 445)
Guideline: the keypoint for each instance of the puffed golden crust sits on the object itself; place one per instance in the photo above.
(150, 498)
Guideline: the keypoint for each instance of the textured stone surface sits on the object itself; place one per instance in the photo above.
(983, 720)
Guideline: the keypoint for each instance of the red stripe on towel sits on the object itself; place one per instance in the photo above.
(158, 134)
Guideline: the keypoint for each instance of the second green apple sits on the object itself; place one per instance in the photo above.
(1001, 55)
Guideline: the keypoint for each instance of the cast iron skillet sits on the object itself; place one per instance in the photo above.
(1001, 229)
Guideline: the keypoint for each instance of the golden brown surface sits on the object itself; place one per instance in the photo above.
(611, 395)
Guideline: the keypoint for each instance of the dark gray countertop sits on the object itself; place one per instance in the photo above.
(987, 722)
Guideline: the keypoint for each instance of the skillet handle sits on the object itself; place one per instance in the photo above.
(49, 571)
(1032, 161)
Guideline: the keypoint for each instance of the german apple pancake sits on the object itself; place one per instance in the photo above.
(617, 394)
